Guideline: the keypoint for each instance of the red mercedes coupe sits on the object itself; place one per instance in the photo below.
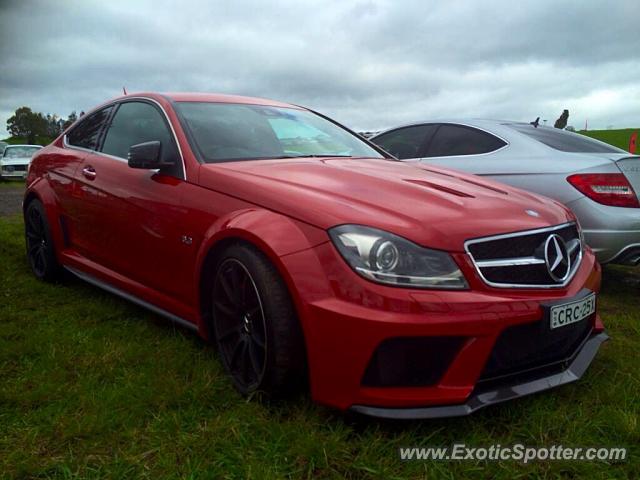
(301, 250)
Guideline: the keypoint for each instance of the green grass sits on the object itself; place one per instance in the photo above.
(619, 138)
(93, 387)
(12, 184)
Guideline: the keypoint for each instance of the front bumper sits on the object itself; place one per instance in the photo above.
(346, 319)
(476, 401)
(13, 171)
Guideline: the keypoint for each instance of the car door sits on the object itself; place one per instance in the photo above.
(135, 215)
(62, 175)
(462, 147)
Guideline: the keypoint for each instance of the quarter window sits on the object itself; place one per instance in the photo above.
(87, 133)
(406, 142)
(134, 123)
(460, 140)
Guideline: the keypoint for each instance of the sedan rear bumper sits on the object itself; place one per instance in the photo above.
(612, 232)
(619, 247)
(576, 369)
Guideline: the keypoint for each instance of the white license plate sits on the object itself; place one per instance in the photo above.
(562, 315)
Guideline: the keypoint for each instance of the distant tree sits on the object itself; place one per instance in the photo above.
(561, 122)
(73, 116)
(570, 128)
(28, 124)
(54, 125)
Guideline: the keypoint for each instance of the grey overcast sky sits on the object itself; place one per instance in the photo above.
(369, 64)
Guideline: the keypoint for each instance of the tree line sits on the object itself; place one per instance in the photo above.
(35, 126)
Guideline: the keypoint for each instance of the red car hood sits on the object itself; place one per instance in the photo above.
(431, 206)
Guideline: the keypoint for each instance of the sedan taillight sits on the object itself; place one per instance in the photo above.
(611, 189)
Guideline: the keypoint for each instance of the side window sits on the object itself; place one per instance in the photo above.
(137, 122)
(87, 133)
(406, 142)
(460, 140)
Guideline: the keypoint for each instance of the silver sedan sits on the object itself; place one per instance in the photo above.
(596, 180)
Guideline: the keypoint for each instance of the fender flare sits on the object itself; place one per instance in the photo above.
(274, 234)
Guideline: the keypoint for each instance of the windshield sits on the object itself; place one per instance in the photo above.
(564, 141)
(230, 132)
(20, 152)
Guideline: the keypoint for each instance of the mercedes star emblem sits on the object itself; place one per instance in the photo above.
(556, 256)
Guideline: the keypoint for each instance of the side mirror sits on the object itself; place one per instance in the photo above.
(145, 155)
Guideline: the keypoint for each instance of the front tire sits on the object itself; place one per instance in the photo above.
(40, 250)
(254, 323)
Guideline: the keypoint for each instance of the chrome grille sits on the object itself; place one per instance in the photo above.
(14, 168)
(525, 259)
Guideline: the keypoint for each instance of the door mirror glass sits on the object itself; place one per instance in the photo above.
(145, 155)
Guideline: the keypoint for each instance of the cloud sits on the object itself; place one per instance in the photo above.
(369, 64)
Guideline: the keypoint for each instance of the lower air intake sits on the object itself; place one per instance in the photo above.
(411, 361)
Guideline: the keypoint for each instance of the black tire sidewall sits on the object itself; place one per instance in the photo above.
(52, 268)
(282, 334)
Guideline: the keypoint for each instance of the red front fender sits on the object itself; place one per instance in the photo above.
(274, 234)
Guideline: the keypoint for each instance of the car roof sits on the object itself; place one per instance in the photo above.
(472, 122)
(211, 98)
(508, 130)
(501, 128)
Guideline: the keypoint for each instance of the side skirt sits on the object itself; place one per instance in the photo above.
(127, 296)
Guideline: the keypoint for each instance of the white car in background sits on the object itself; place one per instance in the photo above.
(15, 160)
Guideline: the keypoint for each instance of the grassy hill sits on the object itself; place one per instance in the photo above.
(21, 140)
(618, 138)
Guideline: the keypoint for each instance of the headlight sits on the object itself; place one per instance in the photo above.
(386, 258)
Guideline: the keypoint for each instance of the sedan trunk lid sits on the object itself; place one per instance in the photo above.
(630, 166)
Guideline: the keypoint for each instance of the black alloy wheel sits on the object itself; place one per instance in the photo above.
(40, 250)
(254, 323)
(240, 324)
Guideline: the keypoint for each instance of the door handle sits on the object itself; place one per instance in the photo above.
(89, 172)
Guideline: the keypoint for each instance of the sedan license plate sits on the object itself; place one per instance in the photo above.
(562, 315)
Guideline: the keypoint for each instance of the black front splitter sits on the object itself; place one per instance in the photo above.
(573, 372)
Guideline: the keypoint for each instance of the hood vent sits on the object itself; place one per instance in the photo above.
(442, 188)
(464, 179)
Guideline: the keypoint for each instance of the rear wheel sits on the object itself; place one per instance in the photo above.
(40, 251)
(254, 323)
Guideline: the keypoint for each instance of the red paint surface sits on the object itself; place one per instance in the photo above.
(125, 228)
